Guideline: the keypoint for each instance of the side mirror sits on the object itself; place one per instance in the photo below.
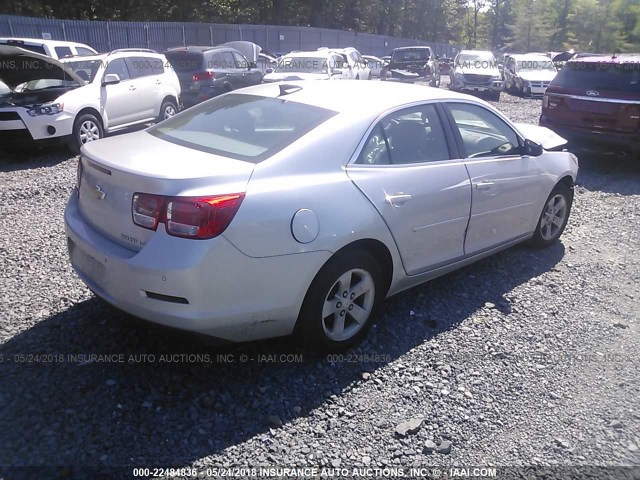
(269, 70)
(532, 148)
(253, 65)
(110, 79)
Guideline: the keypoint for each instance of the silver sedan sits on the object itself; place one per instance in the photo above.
(298, 208)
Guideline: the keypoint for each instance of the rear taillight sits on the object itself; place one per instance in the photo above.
(79, 177)
(203, 76)
(147, 210)
(545, 101)
(187, 217)
(427, 70)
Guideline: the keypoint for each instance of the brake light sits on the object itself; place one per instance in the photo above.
(427, 70)
(203, 76)
(186, 217)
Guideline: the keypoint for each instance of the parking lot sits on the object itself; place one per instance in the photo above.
(529, 357)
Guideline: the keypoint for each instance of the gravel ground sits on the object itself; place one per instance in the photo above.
(528, 358)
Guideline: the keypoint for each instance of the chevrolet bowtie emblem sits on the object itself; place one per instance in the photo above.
(99, 192)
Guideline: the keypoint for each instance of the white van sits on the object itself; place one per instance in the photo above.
(52, 48)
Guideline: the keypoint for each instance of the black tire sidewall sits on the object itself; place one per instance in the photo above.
(309, 330)
(163, 108)
(538, 241)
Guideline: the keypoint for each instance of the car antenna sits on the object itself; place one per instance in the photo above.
(287, 89)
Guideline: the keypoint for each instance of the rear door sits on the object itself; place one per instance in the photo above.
(421, 190)
(506, 185)
(147, 85)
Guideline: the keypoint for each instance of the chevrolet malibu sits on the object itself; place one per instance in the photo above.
(298, 208)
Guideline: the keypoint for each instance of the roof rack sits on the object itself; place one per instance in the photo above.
(141, 50)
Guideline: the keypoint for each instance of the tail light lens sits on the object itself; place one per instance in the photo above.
(203, 76)
(427, 70)
(186, 217)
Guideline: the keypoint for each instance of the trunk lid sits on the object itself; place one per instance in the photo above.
(111, 176)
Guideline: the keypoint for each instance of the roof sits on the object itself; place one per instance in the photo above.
(414, 47)
(199, 48)
(319, 54)
(353, 95)
(42, 41)
(618, 58)
(477, 52)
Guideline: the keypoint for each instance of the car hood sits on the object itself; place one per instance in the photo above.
(541, 135)
(18, 66)
(291, 76)
(537, 75)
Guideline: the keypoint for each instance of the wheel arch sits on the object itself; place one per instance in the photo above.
(92, 111)
(378, 250)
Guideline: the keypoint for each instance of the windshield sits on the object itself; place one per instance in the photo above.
(302, 65)
(411, 55)
(244, 127)
(85, 69)
(476, 60)
(619, 77)
(535, 64)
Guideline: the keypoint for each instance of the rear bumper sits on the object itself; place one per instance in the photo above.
(208, 287)
(594, 138)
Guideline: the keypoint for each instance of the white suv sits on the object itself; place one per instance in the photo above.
(51, 48)
(354, 67)
(84, 97)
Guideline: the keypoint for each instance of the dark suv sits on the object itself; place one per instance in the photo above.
(205, 72)
(596, 100)
(409, 64)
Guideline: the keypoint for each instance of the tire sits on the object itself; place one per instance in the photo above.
(495, 96)
(167, 110)
(327, 322)
(554, 216)
(86, 128)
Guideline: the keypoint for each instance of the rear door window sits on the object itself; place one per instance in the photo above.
(143, 66)
(62, 52)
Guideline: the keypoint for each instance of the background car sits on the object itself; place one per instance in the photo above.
(595, 100)
(299, 207)
(315, 65)
(476, 71)
(375, 64)
(444, 64)
(205, 72)
(266, 63)
(409, 64)
(83, 98)
(528, 74)
(52, 48)
(354, 66)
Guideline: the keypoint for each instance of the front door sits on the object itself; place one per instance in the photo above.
(506, 184)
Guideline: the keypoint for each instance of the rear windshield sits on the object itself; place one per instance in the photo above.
(186, 61)
(303, 65)
(410, 55)
(618, 77)
(244, 127)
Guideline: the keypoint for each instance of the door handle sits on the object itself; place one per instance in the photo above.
(132, 88)
(484, 185)
(397, 200)
(158, 82)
